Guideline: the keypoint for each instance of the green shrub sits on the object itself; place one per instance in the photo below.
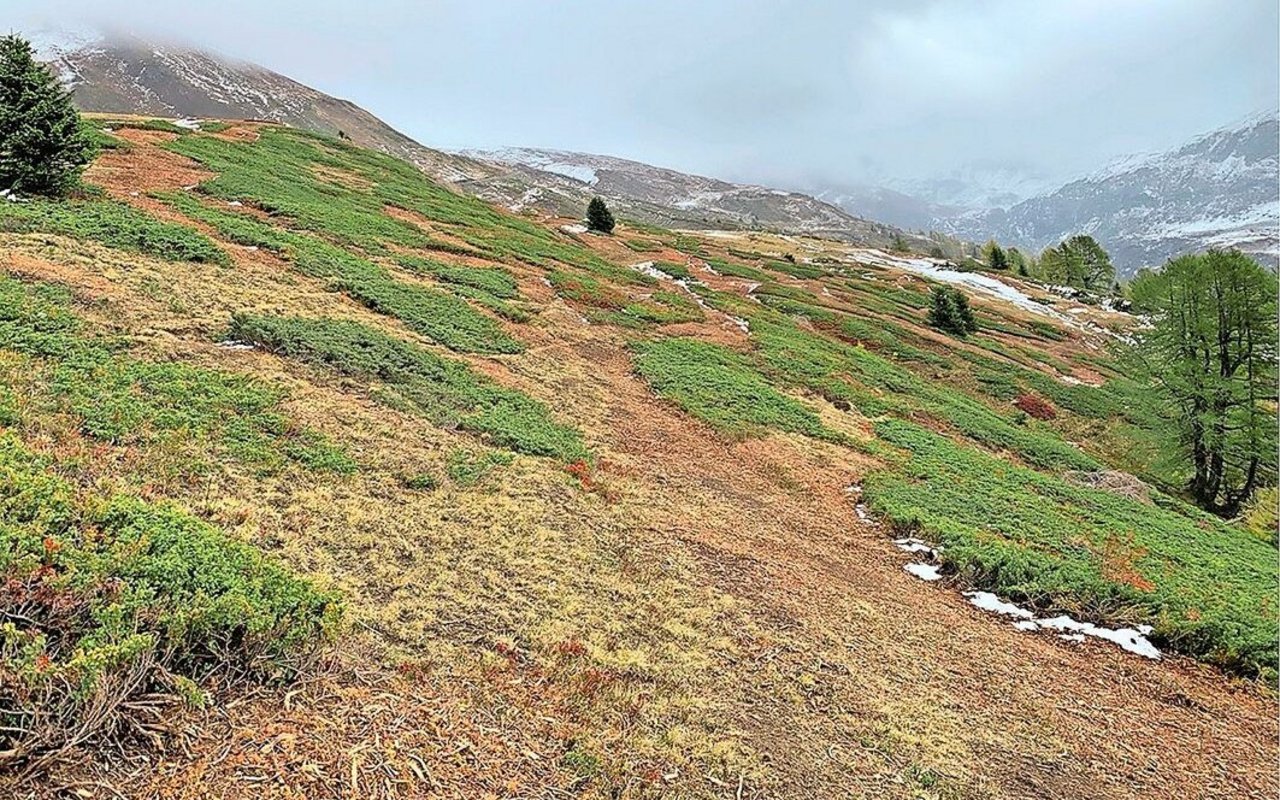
(437, 315)
(718, 386)
(122, 399)
(1208, 588)
(114, 224)
(110, 598)
(445, 391)
(468, 469)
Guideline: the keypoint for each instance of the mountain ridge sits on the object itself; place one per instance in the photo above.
(123, 73)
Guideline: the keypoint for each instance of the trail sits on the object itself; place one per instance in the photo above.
(842, 674)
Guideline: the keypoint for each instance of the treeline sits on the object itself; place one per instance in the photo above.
(1079, 262)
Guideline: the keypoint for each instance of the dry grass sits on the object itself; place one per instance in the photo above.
(700, 618)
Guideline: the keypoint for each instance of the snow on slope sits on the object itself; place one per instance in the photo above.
(1221, 189)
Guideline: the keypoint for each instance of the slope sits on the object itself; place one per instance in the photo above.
(123, 73)
(602, 531)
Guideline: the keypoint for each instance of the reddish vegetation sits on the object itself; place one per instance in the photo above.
(1036, 406)
(842, 672)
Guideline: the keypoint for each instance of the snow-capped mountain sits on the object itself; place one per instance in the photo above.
(112, 72)
(116, 72)
(1221, 189)
(670, 197)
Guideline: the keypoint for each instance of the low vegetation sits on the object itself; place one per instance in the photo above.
(444, 391)
(438, 315)
(113, 224)
(721, 388)
(204, 417)
(109, 599)
(1208, 590)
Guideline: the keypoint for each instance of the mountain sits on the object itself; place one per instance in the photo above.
(117, 72)
(1219, 190)
(667, 197)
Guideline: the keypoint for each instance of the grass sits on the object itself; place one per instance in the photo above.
(113, 224)
(493, 280)
(1207, 587)
(438, 315)
(720, 387)
(342, 192)
(207, 415)
(446, 392)
(467, 469)
(110, 598)
(678, 271)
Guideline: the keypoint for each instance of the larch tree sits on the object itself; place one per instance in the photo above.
(1212, 352)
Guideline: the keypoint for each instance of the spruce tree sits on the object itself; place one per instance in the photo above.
(950, 312)
(996, 256)
(42, 146)
(599, 218)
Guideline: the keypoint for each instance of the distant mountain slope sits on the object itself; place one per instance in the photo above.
(123, 73)
(669, 197)
(1219, 190)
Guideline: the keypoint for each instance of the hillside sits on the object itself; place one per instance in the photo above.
(1219, 190)
(675, 199)
(113, 72)
(354, 486)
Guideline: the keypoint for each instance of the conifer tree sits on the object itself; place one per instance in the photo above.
(43, 149)
(599, 217)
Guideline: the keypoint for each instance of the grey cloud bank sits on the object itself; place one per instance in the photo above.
(755, 90)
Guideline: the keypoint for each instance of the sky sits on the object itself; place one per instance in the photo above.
(829, 92)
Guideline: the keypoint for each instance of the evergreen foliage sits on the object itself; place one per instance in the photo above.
(43, 148)
(599, 217)
(1212, 351)
(949, 311)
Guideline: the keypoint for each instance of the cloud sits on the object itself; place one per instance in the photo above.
(761, 89)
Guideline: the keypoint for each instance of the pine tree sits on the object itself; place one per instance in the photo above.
(599, 217)
(950, 312)
(996, 256)
(43, 149)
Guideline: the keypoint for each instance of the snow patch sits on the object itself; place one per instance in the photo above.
(1133, 640)
(990, 602)
(925, 572)
(938, 271)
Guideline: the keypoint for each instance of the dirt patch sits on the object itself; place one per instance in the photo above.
(715, 621)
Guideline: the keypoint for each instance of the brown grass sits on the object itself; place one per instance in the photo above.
(709, 619)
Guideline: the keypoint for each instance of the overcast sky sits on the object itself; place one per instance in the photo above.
(758, 89)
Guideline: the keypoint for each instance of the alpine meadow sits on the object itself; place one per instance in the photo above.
(335, 465)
